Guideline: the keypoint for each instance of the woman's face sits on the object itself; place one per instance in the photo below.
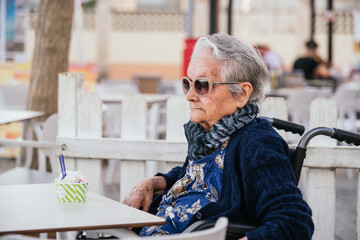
(207, 110)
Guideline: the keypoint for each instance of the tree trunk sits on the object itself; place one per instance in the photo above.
(53, 32)
(103, 23)
(51, 53)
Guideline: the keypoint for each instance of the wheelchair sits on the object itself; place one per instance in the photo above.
(297, 156)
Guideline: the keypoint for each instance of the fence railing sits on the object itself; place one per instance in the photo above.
(80, 141)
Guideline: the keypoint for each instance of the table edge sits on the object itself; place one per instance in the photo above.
(80, 228)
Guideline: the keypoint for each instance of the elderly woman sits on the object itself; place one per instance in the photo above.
(237, 165)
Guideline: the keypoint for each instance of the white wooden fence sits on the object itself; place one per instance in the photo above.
(80, 140)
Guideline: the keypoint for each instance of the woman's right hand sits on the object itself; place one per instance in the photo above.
(142, 195)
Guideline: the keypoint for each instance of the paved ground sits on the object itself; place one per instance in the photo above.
(346, 199)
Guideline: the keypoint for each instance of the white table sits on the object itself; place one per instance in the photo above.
(9, 116)
(34, 208)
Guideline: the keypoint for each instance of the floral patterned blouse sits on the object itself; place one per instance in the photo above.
(200, 185)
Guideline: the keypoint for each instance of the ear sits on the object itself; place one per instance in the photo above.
(244, 95)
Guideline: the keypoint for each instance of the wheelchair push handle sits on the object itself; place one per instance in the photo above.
(338, 134)
(299, 154)
(348, 137)
(286, 125)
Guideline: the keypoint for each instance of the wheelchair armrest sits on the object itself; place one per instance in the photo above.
(234, 230)
(238, 230)
(200, 225)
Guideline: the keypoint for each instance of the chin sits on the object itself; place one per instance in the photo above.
(195, 118)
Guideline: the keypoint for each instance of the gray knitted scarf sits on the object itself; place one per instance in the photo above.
(202, 143)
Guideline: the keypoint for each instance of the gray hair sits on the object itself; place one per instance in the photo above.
(240, 63)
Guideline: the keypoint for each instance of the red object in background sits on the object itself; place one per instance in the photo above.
(189, 47)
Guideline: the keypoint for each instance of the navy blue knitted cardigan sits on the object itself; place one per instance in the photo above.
(259, 186)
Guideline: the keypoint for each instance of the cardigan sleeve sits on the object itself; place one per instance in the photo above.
(270, 192)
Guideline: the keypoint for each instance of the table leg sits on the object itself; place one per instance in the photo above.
(19, 156)
(28, 134)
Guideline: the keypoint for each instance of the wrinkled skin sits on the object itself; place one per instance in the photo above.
(142, 194)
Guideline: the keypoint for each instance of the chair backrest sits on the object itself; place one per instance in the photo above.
(49, 133)
(324, 92)
(218, 232)
(107, 87)
(293, 79)
(50, 128)
(112, 114)
(347, 96)
(46, 132)
(14, 96)
(347, 100)
(299, 101)
(148, 84)
(46, 148)
(297, 155)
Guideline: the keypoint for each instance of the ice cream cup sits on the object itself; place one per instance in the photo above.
(71, 192)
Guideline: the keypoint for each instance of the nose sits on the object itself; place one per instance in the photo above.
(191, 95)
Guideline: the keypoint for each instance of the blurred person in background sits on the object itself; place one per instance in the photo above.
(271, 59)
(273, 64)
(313, 66)
(355, 68)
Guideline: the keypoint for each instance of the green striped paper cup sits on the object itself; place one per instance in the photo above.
(71, 192)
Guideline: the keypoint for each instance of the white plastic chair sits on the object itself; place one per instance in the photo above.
(218, 232)
(13, 96)
(112, 114)
(293, 79)
(115, 87)
(46, 146)
(348, 99)
(112, 117)
(299, 101)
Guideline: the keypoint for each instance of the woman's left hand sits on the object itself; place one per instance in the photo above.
(141, 195)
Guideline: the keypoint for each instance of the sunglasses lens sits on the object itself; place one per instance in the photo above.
(185, 85)
(202, 86)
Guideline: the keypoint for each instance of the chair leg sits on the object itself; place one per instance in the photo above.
(120, 233)
(42, 161)
(43, 235)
